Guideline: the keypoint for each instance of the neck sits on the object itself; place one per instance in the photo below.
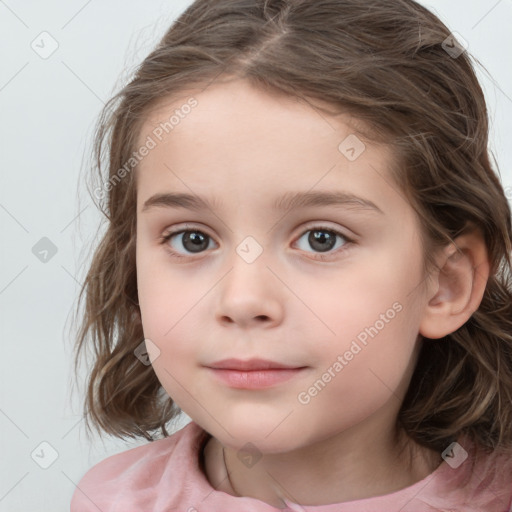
(320, 474)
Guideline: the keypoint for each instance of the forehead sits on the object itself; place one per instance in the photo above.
(238, 102)
(233, 136)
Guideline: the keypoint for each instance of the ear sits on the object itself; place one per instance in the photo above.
(460, 284)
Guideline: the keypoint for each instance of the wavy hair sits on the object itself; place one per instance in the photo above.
(386, 63)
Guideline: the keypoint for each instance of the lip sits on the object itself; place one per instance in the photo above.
(253, 373)
(251, 365)
(255, 379)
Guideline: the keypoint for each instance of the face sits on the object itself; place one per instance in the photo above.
(332, 288)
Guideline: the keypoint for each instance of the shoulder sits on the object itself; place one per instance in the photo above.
(493, 480)
(123, 463)
(131, 476)
(474, 480)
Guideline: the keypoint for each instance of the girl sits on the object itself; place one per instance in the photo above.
(374, 373)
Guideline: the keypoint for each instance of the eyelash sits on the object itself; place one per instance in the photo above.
(319, 256)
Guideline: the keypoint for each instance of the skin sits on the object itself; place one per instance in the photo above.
(247, 148)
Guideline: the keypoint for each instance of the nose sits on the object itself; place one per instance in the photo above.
(250, 295)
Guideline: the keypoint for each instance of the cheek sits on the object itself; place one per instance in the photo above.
(167, 314)
(172, 311)
(376, 292)
(168, 321)
(375, 320)
(164, 295)
(368, 365)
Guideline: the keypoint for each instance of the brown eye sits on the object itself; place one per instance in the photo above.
(191, 241)
(323, 240)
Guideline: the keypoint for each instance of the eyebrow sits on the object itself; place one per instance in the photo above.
(290, 200)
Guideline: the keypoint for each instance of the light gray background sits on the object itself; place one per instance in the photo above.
(48, 108)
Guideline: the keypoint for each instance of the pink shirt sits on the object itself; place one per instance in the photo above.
(165, 476)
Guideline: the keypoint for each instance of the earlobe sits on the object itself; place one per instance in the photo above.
(463, 275)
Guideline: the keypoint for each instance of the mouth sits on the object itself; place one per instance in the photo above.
(254, 373)
(252, 365)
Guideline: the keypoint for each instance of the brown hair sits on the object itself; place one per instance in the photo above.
(386, 64)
